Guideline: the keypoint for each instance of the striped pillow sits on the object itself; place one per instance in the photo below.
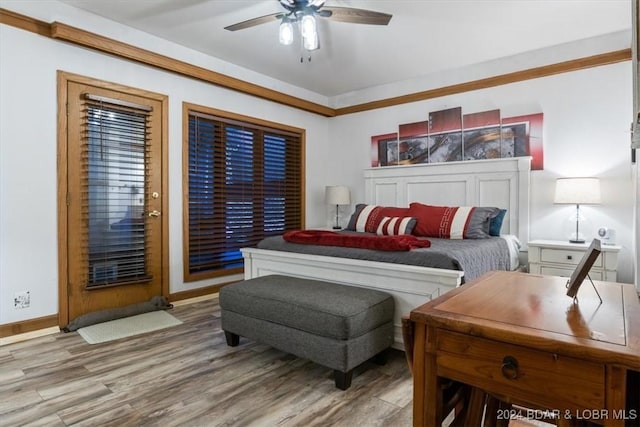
(366, 218)
(395, 226)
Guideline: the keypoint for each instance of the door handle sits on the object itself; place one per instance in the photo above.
(154, 214)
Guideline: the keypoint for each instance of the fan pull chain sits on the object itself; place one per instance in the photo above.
(302, 52)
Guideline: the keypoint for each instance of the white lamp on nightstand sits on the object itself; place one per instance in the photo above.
(337, 195)
(578, 191)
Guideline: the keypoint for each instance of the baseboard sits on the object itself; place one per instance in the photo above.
(39, 323)
(200, 292)
(29, 325)
(194, 300)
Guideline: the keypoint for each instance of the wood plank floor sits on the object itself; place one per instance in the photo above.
(187, 376)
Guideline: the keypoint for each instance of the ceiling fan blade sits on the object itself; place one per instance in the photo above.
(253, 22)
(357, 16)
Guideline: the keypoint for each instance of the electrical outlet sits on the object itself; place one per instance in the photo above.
(22, 299)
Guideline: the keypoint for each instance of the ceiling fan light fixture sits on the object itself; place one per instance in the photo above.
(310, 42)
(286, 32)
(303, 14)
(308, 26)
(309, 32)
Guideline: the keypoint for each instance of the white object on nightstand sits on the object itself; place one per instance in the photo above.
(607, 235)
(558, 258)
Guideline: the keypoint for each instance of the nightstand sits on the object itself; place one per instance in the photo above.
(558, 258)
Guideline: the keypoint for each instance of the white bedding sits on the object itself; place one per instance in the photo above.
(514, 249)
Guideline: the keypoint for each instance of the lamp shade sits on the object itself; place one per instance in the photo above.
(337, 195)
(577, 191)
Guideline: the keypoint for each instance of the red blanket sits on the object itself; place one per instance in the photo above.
(381, 243)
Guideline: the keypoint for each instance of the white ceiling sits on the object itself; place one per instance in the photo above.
(424, 36)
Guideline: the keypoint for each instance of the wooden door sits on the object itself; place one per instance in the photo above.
(114, 231)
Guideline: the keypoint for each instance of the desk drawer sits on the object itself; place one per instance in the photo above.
(542, 379)
(565, 256)
(567, 272)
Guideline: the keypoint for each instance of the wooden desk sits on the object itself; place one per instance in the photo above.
(519, 337)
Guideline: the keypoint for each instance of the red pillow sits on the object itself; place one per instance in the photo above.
(452, 222)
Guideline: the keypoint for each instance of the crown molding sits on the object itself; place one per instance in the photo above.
(61, 31)
(502, 79)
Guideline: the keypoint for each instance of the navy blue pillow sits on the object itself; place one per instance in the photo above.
(495, 223)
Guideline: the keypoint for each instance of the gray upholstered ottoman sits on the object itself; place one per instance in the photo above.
(334, 325)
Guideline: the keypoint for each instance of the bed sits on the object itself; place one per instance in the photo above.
(472, 257)
(503, 183)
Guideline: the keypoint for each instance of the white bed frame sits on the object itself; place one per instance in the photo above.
(499, 182)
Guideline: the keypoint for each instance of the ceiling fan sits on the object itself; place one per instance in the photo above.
(304, 13)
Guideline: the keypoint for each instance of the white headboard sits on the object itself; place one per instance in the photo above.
(503, 183)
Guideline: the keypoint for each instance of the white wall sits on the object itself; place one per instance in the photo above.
(586, 133)
(587, 115)
(28, 147)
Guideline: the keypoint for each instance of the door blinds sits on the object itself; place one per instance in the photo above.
(244, 184)
(114, 179)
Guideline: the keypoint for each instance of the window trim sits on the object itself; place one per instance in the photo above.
(237, 118)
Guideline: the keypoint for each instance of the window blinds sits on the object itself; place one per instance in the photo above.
(244, 184)
(115, 157)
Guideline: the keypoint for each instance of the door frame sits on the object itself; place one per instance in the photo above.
(63, 78)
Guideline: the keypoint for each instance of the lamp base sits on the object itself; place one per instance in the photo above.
(577, 227)
(337, 227)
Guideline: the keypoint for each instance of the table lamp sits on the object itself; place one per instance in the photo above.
(578, 191)
(337, 195)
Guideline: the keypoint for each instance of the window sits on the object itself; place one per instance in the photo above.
(243, 182)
